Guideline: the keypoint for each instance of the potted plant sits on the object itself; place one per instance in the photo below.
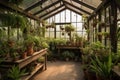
(102, 24)
(99, 34)
(103, 69)
(69, 28)
(106, 34)
(67, 55)
(23, 52)
(29, 42)
(79, 40)
(61, 28)
(15, 73)
(44, 45)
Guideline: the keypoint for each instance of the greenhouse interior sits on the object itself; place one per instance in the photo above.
(59, 39)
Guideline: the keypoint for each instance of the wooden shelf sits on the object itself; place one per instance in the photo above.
(68, 47)
(34, 71)
(23, 62)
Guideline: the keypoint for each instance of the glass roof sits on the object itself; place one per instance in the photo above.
(42, 8)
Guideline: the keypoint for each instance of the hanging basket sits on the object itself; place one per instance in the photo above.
(62, 33)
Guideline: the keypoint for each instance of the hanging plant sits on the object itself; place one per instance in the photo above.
(53, 25)
(106, 34)
(61, 28)
(68, 33)
(87, 31)
(102, 24)
(99, 34)
(62, 33)
(14, 20)
(69, 28)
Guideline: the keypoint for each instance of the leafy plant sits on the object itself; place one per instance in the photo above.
(67, 54)
(15, 73)
(102, 69)
(29, 41)
(69, 28)
(14, 20)
(44, 45)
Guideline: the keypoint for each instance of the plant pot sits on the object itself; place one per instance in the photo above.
(62, 33)
(67, 59)
(30, 51)
(85, 74)
(91, 75)
(24, 55)
(101, 78)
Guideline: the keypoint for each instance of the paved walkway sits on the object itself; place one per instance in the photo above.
(61, 70)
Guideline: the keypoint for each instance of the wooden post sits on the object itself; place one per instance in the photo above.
(99, 27)
(45, 61)
(113, 26)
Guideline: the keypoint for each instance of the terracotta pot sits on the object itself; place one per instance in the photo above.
(30, 51)
(85, 74)
(24, 55)
(91, 75)
(101, 78)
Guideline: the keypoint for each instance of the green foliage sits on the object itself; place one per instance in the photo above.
(60, 41)
(15, 73)
(41, 59)
(102, 69)
(86, 50)
(69, 28)
(29, 40)
(97, 46)
(4, 48)
(44, 45)
(67, 54)
(14, 20)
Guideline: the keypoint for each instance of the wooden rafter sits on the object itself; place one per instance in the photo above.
(73, 10)
(54, 14)
(84, 4)
(35, 5)
(51, 11)
(77, 7)
(105, 2)
(15, 8)
(47, 7)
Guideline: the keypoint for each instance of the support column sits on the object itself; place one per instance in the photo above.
(113, 26)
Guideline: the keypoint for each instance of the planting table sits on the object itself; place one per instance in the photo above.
(24, 62)
(67, 48)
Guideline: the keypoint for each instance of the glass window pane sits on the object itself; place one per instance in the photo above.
(67, 16)
(57, 18)
(58, 34)
(63, 16)
(51, 34)
(79, 26)
(73, 17)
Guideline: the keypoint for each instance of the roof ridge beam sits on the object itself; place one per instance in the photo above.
(77, 8)
(74, 10)
(47, 7)
(51, 11)
(54, 13)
